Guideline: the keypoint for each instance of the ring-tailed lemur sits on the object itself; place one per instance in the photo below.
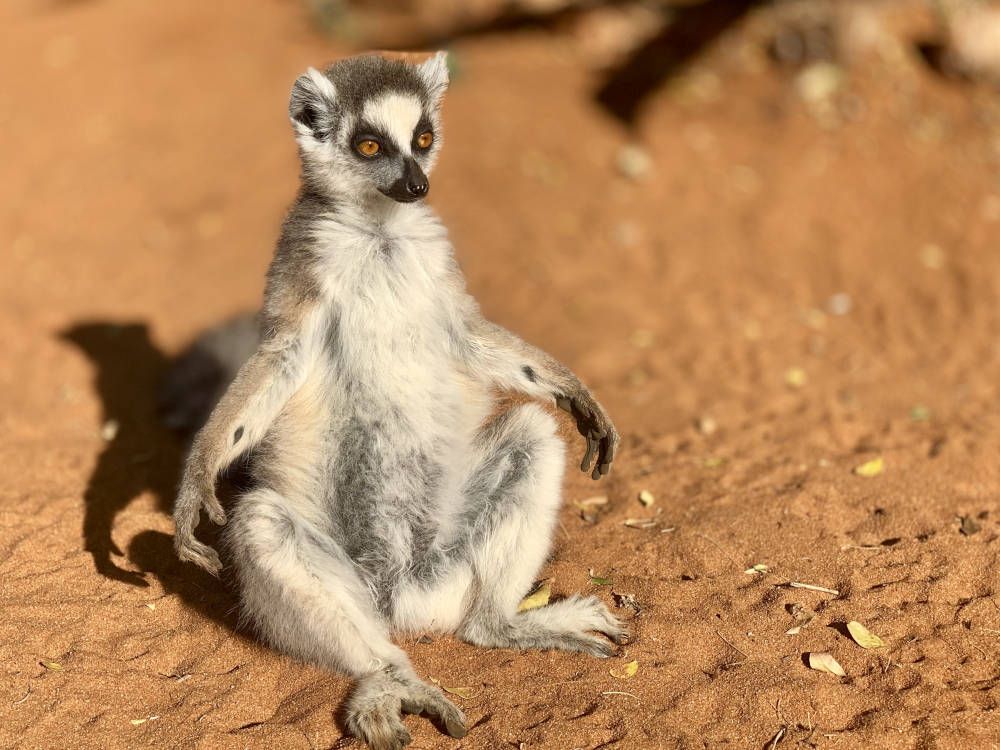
(385, 496)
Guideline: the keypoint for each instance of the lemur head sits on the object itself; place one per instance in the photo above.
(370, 125)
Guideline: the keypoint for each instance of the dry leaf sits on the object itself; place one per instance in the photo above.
(537, 598)
(646, 498)
(627, 673)
(793, 631)
(823, 662)
(968, 526)
(53, 665)
(862, 636)
(870, 468)
(598, 580)
(795, 377)
(758, 568)
(461, 692)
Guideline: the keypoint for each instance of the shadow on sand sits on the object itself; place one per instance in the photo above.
(142, 455)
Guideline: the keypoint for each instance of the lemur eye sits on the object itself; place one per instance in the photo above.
(368, 148)
(425, 139)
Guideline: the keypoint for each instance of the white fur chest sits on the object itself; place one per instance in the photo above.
(389, 293)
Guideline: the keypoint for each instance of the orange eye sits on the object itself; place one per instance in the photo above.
(368, 148)
(425, 139)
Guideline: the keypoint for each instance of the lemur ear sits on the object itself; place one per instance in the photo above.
(312, 103)
(434, 72)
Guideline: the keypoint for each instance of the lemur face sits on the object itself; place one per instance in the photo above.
(370, 125)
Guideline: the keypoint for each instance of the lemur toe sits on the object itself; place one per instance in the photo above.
(379, 728)
(216, 513)
(431, 701)
(589, 644)
(202, 555)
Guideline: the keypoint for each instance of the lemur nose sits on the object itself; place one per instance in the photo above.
(417, 187)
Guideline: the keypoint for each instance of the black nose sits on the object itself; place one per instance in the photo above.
(417, 187)
(412, 184)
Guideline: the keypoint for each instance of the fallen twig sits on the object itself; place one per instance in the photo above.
(728, 643)
(813, 587)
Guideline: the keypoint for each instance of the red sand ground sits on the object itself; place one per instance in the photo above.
(146, 165)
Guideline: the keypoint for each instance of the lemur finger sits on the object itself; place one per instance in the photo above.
(588, 456)
(609, 455)
(602, 449)
(193, 551)
(214, 509)
(439, 708)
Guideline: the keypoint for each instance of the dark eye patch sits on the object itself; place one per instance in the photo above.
(365, 132)
(422, 127)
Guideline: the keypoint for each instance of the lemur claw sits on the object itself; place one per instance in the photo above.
(215, 511)
(597, 430)
(192, 498)
(193, 551)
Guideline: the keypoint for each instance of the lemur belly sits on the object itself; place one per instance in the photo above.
(392, 412)
(394, 427)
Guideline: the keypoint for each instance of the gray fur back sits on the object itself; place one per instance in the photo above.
(201, 373)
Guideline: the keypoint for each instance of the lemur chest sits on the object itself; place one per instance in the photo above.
(390, 305)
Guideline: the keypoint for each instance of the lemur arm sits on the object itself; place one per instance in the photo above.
(498, 356)
(239, 422)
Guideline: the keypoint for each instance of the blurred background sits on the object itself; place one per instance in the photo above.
(765, 233)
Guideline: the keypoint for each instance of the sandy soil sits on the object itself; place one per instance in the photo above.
(146, 164)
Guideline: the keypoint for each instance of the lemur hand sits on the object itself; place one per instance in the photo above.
(595, 426)
(197, 490)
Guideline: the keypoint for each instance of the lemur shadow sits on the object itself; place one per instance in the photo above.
(141, 455)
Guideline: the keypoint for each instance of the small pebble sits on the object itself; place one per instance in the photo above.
(634, 162)
(839, 304)
(109, 430)
(707, 426)
(819, 82)
(646, 498)
(795, 377)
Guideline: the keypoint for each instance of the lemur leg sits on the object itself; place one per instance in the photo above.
(305, 597)
(513, 497)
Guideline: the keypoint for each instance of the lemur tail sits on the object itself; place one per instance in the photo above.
(200, 374)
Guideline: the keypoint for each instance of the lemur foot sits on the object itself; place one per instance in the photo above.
(568, 625)
(374, 711)
(590, 613)
(424, 699)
